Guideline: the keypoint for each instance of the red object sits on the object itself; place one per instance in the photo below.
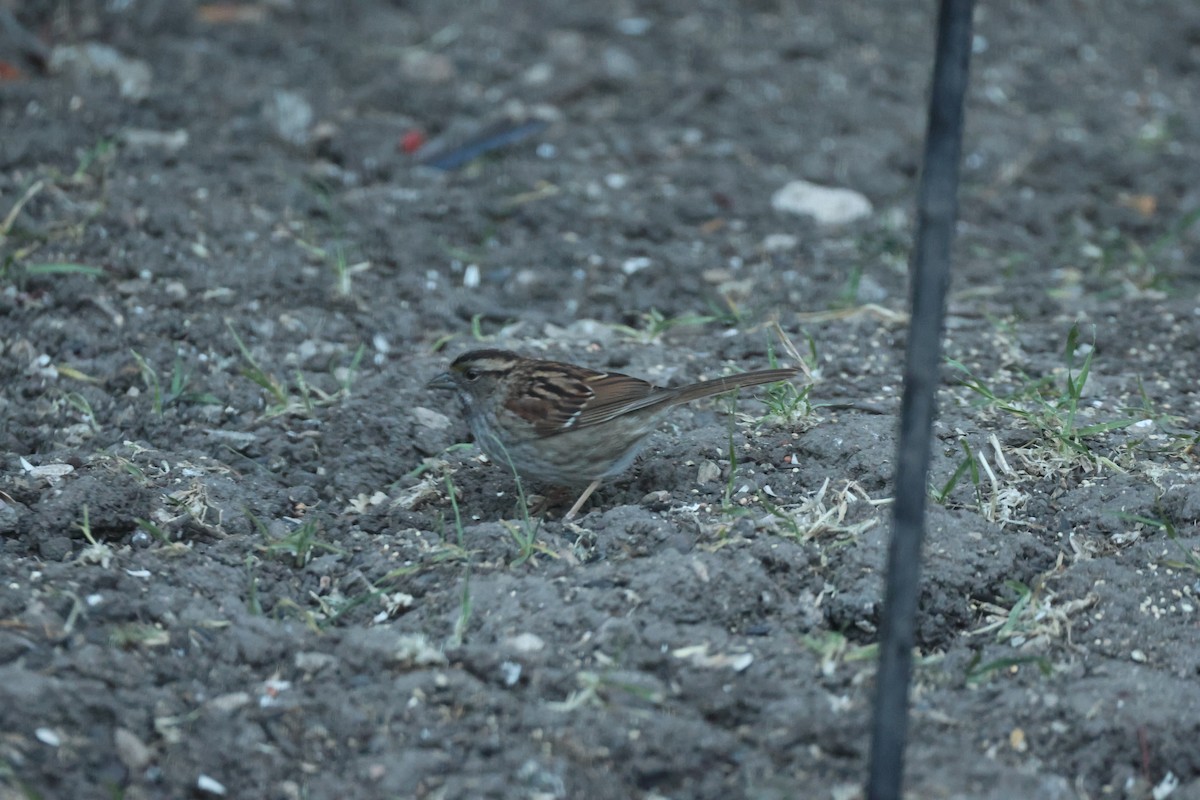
(412, 141)
(10, 72)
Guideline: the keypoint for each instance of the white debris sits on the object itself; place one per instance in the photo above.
(47, 736)
(511, 672)
(291, 117)
(779, 243)
(133, 76)
(149, 139)
(210, 786)
(827, 205)
(526, 643)
(471, 277)
(47, 471)
(429, 419)
(633, 265)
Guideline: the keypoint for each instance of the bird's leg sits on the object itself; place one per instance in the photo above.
(582, 499)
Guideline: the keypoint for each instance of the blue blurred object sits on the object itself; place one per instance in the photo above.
(495, 137)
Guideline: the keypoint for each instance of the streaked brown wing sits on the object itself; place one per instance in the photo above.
(621, 394)
(557, 395)
(561, 397)
(616, 394)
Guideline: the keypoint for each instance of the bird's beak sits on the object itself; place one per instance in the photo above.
(443, 381)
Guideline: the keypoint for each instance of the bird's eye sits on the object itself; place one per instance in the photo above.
(472, 373)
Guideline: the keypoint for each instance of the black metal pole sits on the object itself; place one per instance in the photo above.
(937, 211)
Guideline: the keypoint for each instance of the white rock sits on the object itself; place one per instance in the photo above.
(228, 703)
(311, 661)
(538, 74)
(48, 736)
(634, 265)
(616, 180)
(291, 116)
(210, 786)
(133, 76)
(619, 65)
(148, 139)
(511, 672)
(708, 472)
(779, 243)
(471, 277)
(132, 751)
(634, 26)
(414, 650)
(828, 205)
(526, 643)
(429, 419)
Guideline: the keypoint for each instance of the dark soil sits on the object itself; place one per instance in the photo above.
(241, 556)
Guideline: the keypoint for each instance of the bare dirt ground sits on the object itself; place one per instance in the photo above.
(241, 555)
